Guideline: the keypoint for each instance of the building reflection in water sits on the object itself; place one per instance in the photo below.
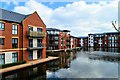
(42, 72)
(38, 72)
(30, 73)
(102, 49)
(64, 61)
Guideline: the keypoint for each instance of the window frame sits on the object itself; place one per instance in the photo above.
(2, 26)
(30, 42)
(30, 56)
(2, 40)
(14, 57)
(2, 58)
(39, 29)
(39, 42)
(14, 29)
(39, 54)
(14, 44)
(30, 28)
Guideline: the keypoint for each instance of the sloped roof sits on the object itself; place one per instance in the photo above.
(11, 16)
(111, 33)
(65, 30)
(52, 29)
(82, 36)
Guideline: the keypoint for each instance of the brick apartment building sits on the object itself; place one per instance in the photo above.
(111, 40)
(101, 40)
(22, 37)
(83, 41)
(57, 39)
(65, 39)
(90, 40)
(98, 40)
(53, 39)
(60, 39)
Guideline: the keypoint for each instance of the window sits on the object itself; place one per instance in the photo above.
(2, 59)
(14, 29)
(30, 28)
(15, 57)
(39, 42)
(30, 42)
(39, 54)
(1, 41)
(14, 43)
(56, 42)
(39, 29)
(30, 55)
(56, 38)
(2, 26)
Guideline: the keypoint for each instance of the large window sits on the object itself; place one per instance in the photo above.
(39, 29)
(30, 42)
(2, 26)
(2, 59)
(39, 42)
(39, 54)
(15, 57)
(1, 41)
(14, 29)
(30, 55)
(14, 43)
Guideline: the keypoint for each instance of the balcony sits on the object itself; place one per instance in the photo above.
(68, 39)
(54, 44)
(68, 44)
(35, 34)
(39, 46)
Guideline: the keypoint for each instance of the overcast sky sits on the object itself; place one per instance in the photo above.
(81, 16)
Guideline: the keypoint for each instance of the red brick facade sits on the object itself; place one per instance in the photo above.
(32, 20)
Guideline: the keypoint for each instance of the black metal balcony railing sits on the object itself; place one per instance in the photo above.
(35, 34)
(39, 46)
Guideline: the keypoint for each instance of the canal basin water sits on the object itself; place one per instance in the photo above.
(76, 64)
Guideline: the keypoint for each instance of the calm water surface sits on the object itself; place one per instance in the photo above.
(70, 65)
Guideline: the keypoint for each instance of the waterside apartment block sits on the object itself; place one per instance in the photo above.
(83, 41)
(60, 39)
(101, 40)
(111, 40)
(22, 37)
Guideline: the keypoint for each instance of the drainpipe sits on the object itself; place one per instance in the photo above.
(22, 41)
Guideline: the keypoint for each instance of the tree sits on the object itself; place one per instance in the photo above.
(114, 25)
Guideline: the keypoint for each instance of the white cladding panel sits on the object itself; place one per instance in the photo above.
(8, 57)
(34, 42)
(35, 54)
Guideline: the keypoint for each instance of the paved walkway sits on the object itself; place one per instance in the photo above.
(68, 49)
(31, 63)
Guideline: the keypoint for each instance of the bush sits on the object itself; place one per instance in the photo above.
(12, 64)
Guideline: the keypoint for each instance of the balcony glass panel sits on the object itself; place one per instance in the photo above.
(36, 34)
